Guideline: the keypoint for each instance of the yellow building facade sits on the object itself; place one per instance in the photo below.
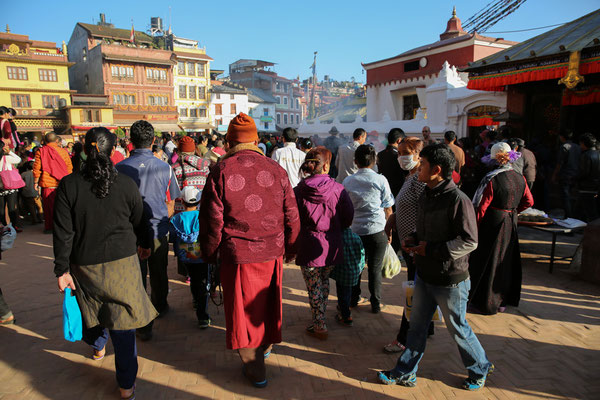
(34, 80)
(191, 82)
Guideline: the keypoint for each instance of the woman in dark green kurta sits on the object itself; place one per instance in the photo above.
(97, 231)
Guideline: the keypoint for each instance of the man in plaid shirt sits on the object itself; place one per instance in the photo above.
(346, 275)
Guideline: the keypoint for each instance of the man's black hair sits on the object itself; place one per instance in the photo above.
(450, 136)
(142, 134)
(521, 143)
(588, 140)
(13, 112)
(3, 110)
(394, 134)
(358, 132)
(567, 134)
(440, 154)
(290, 135)
(365, 155)
(512, 142)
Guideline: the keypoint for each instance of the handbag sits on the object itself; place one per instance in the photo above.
(10, 176)
(408, 288)
(72, 322)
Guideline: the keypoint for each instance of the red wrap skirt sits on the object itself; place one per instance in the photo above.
(252, 300)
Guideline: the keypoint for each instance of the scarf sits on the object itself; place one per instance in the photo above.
(486, 180)
(240, 147)
(52, 162)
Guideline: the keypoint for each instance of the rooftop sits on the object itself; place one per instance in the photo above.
(260, 96)
(573, 36)
(105, 31)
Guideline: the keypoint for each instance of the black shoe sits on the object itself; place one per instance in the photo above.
(144, 336)
(378, 308)
(361, 300)
(344, 321)
(204, 323)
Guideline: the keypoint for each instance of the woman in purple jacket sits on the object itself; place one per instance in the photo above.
(325, 211)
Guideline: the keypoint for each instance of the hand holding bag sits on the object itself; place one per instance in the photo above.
(72, 322)
(10, 176)
(391, 263)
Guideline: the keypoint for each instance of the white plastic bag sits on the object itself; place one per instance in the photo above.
(8, 237)
(408, 287)
(391, 263)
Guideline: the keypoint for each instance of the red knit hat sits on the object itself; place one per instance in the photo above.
(242, 129)
(187, 145)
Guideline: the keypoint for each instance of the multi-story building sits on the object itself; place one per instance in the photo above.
(129, 68)
(261, 107)
(191, 84)
(35, 82)
(226, 101)
(258, 74)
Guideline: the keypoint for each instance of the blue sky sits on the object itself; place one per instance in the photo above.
(345, 33)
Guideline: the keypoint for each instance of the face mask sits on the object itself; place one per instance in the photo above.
(407, 163)
(83, 156)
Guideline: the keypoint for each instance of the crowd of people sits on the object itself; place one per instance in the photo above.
(235, 208)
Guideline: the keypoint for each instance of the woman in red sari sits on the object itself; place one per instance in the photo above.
(249, 216)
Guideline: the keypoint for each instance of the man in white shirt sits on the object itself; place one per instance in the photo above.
(345, 158)
(289, 157)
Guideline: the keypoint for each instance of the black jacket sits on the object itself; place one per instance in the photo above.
(88, 230)
(388, 166)
(589, 171)
(446, 221)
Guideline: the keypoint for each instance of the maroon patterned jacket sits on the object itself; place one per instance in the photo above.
(248, 210)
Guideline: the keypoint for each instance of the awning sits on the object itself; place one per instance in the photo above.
(111, 57)
(581, 97)
(481, 120)
(166, 127)
(87, 128)
(195, 126)
(497, 81)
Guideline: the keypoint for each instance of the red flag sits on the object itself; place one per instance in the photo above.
(132, 35)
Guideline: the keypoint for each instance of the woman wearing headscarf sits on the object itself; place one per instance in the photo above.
(495, 266)
(97, 229)
(325, 211)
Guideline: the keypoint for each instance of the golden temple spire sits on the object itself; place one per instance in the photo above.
(7, 29)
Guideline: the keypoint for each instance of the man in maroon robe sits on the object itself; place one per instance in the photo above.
(249, 216)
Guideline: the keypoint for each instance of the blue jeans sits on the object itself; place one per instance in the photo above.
(453, 303)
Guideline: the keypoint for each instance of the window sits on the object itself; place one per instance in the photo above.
(122, 71)
(116, 99)
(131, 99)
(411, 66)
(285, 100)
(266, 112)
(278, 118)
(191, 67)
(285, 87)
(48, 75)
(50, 101)
(156, 74)
(218, 96)
(124, 99)
(297, 104)
(163, 75)
(297, 119)
(181, 68)
(19, 73)
(219, 122)
(410, 105)
(278, 86)
(183, 112)
(218, 109)
(233, 109)
(278, 100)
(285, 119)
(232, 96)
(158, 100)
(90, 116)
(192, 92)
(84, 54)
(201, 70)
(114, 70)
(182, 91)
(193, 112)
(20, 100)
(202, 112)
(201, 92)
(129, 72)
(266, 125)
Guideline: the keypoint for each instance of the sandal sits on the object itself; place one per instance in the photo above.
(320, 334)
(394, 347)
(99, 354)
(8, 321)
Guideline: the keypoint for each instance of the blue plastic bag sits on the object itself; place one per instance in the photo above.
(72, 324)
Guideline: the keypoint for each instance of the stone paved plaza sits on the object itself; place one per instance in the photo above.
(547, 348)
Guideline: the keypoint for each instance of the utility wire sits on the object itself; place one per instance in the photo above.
(530, 29)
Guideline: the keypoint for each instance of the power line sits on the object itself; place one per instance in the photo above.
(530, 29)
